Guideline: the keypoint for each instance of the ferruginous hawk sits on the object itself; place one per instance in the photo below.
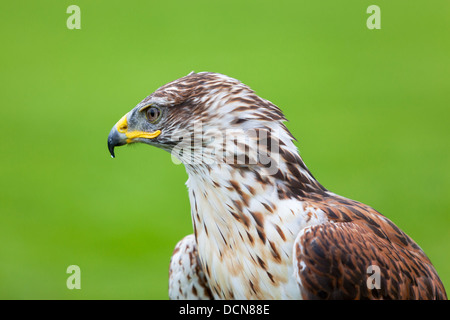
(264, 227)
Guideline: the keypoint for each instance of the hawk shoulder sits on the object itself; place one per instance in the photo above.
(335, 260)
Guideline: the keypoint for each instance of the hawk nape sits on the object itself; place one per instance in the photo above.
(261, 233)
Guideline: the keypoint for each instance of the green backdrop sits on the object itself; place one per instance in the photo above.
(370, 110)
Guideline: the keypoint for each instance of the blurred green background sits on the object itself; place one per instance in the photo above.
(370, 109)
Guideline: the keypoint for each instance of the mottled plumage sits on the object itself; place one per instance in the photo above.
(264, 228)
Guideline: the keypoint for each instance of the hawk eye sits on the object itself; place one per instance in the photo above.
(153, 114)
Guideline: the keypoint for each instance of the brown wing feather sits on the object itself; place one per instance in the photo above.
(333, 259)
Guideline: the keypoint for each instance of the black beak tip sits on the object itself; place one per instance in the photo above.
(115, 140)
(112, 143)
(111, 148)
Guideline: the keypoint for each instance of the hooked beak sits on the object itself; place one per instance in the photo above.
(115, 139)
(119, 135)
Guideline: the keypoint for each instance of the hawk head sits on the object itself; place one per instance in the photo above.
(219, 108)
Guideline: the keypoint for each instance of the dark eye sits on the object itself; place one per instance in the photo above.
(153, 114)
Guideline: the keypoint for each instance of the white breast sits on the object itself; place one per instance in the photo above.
(245, 236)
